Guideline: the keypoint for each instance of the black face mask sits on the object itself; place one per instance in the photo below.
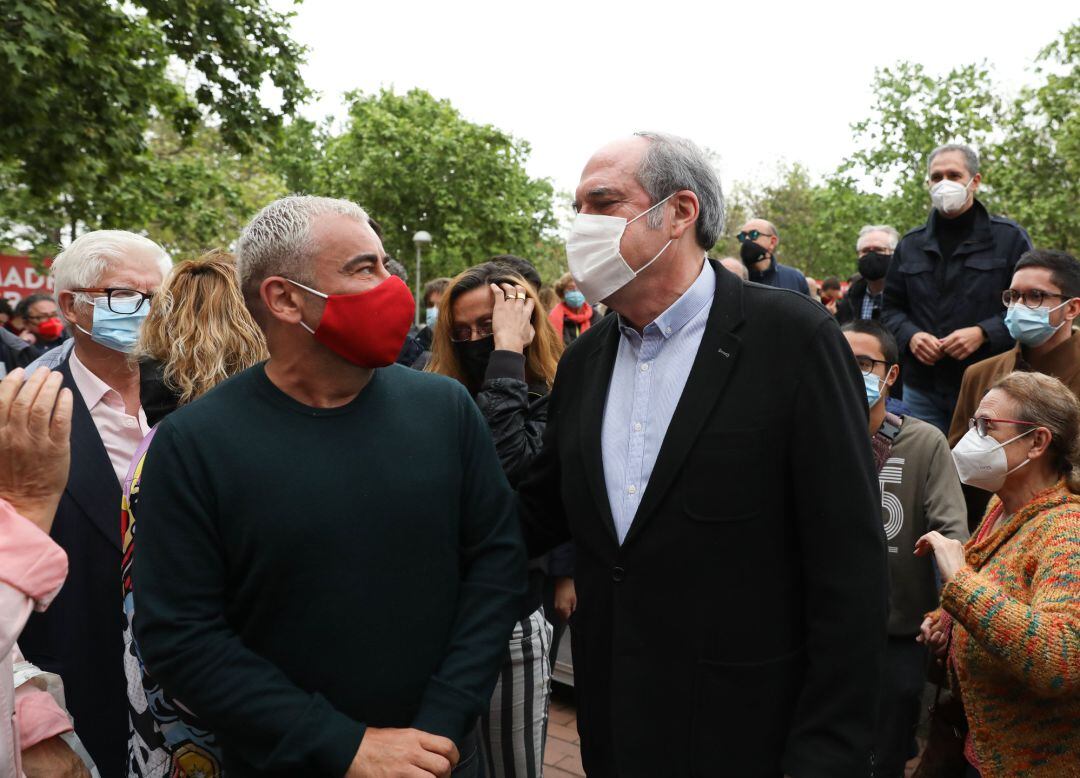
(751, 253)
(474, 356)
(873, 266)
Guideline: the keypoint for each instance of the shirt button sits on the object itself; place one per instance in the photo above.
(645, 368)
(631, 489)
(668, 330)
(617, 573)
(129, 422)
(637, 426)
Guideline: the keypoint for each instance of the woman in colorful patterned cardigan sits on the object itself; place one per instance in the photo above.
(1011, 596)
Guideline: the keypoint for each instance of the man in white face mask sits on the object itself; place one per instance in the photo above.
(942, 296)
(687, 438)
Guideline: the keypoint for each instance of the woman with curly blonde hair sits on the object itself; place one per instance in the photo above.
(197, 334)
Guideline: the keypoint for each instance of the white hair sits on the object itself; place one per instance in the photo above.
(894, 236)
(278, 242)
(85, 262)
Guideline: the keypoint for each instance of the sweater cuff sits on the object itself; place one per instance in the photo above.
(965, 595)
(335, 741)
(505, 364)
(444, 711)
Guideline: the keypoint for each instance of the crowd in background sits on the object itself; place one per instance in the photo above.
(771, 510)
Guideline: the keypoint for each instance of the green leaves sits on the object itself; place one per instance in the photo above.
(414, 163)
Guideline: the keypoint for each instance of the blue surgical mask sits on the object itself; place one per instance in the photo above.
(574, 299)
(1031, 326)
(118, 331)
(873, 388)
(432, 315)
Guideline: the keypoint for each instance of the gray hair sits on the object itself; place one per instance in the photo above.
(894, 236)
(278, 242)
(671, 164)
(85, 262)
(971, 158)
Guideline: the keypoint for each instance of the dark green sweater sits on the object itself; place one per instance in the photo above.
(302, 573)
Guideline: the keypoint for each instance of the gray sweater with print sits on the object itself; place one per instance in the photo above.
(920, 492)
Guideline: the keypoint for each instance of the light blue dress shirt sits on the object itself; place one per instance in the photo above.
(650, 373)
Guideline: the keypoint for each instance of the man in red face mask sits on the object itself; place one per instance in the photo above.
(329, 559)
(44, 329)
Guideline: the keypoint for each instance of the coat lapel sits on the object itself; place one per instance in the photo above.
(601, 363)
(713, 366)
(92, 483)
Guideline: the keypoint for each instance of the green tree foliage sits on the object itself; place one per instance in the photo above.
(1036, 167)
(83, 79)
(414, 163)
(189, 194)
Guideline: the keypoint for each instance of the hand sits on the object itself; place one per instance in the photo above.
(933, 635)
(28, 336)
(925, 347)
(403, 753)
(35, 451)
(565, 597)
(53, 758)
(511, 321)
(948, 553)
(964, 342)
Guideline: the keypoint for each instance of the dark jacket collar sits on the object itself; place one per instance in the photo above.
(980, 231)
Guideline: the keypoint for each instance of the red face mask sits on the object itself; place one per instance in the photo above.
(367, 328)
(50, 329)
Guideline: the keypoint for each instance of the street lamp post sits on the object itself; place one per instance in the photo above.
(421, 239)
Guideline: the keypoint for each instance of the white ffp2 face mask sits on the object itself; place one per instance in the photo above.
(981, 462)
(593, 253)
(949, 196)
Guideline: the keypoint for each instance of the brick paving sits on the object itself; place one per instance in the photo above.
(562, 756)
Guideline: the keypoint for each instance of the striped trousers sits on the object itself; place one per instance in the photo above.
(514, 728)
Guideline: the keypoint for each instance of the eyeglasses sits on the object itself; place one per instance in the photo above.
(742, 237)
(981, 424)
(1032, 298)
(120, 300)
(866, 364)
(464, 332)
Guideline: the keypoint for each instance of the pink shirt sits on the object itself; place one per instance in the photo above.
(120, 433)
(32, 570)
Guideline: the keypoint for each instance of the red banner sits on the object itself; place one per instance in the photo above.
(19, 278)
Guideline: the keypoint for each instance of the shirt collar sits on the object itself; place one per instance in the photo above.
(90, 387)
(683, 310)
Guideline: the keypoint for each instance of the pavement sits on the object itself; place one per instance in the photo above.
(562, 753)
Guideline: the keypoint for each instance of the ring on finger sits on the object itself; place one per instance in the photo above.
(520, 295)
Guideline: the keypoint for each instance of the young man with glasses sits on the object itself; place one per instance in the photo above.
(920, 492)
(1043, 302)
(759, 239)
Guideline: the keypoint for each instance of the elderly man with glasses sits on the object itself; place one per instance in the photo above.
(103, 283)
(759, 240)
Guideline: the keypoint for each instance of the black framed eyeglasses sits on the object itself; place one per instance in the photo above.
(744, 236)
(981, 424)
(464, 333)
(121, 300)
(1032, 298)
(866, 364)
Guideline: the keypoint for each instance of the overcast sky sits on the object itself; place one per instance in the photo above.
(755, 82)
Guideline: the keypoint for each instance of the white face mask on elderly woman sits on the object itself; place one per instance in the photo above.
(593, 252)
(981, 461)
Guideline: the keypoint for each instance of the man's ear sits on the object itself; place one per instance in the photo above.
(892, 375)
(686, 211)
(65, 301)
(283, 301)
(976, 180)
(1071, 309)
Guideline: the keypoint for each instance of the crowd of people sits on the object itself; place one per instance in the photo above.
(775, 515)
